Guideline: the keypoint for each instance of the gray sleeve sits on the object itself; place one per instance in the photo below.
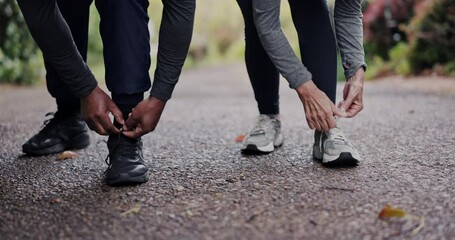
(52, 35)
(267, 19)
(349, 32)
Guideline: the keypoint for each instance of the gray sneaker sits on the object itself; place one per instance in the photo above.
(264, 136)
(333, 148)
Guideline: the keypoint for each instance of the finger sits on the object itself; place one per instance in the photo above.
(90, 124)
(347, 103)
(310, 123)
(340, 104)
(317, 125)
(323, 123)
(99, 129)
(331, 122)
(354, 110)
(118, 116)
(135, 133)
(108, 125)
(338, 112)
(351, 95)
(131, 123)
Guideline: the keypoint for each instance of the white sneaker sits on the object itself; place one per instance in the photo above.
(333, 148)
(264, 137)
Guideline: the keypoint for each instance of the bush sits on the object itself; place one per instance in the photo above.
(432, 35)
(382, 20)
(18, 52)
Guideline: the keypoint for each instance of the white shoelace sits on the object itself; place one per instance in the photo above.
(336, 134)
(260, 126)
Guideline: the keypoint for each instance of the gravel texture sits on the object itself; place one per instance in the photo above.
(201, 187)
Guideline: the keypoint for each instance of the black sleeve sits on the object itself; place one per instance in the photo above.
(53, 37)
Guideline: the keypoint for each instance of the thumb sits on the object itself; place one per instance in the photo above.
(346, 103)
(118, 116)
(338, 112)
(131, 122)
(340, 104)
(135, 133)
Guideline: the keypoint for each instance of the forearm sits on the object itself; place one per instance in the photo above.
(266, 17)
(349, 32)
(54, 38)
(174, 41)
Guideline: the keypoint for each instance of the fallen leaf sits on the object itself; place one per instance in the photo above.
(388, 212)
(240, 138)
(56, 200)
(135, 210)
(67, 155)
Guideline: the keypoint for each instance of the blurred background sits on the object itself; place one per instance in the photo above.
(402, 37)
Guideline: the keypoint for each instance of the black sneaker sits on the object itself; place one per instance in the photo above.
(126, 161)
(58, 134)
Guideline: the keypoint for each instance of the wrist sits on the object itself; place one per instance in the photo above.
(157, 102)
(358, 77)
(306, 89)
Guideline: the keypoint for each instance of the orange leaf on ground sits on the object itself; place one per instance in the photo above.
(67, 155)
(240, 138)
(388, 212)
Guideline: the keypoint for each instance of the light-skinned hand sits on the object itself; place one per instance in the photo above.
(320, 112)
(352, 102)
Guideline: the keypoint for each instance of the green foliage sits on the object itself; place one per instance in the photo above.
(18, 52)
(432, 36)
(449, 69)
(429, 46)
(398, 62)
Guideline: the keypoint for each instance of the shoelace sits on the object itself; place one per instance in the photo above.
(49, 120)
(115, 148)
(259, 127)
(107, 158)
(337, 134)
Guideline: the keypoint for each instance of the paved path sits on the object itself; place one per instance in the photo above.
(201, 187)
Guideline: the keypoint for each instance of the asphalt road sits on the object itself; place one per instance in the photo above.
(201, 187)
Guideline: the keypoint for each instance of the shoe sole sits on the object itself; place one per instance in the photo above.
(81, 141)
(317, 154)
(124, 179)
(344, 159)
(252, 148)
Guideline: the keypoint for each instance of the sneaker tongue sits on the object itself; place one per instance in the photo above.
(335, 134)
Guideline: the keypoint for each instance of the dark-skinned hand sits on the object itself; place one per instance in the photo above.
(319, 110)
(352, 102)
(144, 117)
(95, 110)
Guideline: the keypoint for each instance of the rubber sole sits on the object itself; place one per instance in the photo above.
(80, 141)
(344, 159)
(254, 149)
(124, 179)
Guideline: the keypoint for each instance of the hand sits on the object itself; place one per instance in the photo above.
(144, 117)
(319, 110)
(352, 102)
(95, 111)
